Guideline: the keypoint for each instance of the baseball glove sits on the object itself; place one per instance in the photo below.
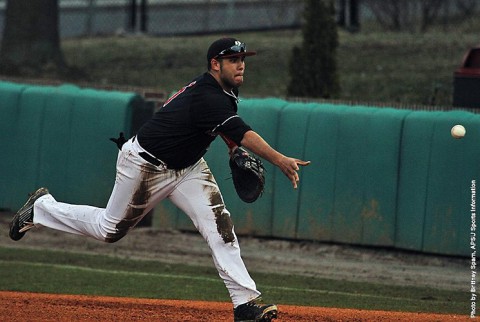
(248, 175)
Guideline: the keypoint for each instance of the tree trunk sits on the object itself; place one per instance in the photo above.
(31, 42)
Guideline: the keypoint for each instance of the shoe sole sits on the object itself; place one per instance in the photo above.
(16, 233)
(267, 316)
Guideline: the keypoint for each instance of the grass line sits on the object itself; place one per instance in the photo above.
(116, 272)
(203, 279)
(61, 272)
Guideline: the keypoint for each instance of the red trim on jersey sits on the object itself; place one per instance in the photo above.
(179, 92)
(228, 141)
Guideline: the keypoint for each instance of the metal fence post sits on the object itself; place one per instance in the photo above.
(143, 16)
(90, 13)
(133, 15)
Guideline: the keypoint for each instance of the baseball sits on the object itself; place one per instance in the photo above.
(458, 131)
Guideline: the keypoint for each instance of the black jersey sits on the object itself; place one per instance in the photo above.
(181, 131)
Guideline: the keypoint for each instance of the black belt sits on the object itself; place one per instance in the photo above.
(147, 157)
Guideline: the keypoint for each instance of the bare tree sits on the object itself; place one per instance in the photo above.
(412, 15)
(31, 44)
(389, 13)
(430, 10)
(466, 7)
(348, 15)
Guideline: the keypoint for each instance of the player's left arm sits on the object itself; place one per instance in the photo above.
(232, 146)
(289, 166)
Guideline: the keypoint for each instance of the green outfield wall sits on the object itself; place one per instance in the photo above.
(379, 176)
(58, 137)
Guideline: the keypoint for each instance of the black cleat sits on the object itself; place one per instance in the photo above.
(255, 311)
(23, 219)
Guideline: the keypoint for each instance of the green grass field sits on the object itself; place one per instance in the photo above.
(378, 67)
(70, 273)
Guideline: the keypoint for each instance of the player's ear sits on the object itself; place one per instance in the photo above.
(215, 64)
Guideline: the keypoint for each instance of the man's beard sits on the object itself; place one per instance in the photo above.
(228, 82)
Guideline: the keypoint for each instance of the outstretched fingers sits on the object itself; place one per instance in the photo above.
(292, 168)
(302, 163)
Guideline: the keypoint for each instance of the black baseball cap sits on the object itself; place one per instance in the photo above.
(228, 47)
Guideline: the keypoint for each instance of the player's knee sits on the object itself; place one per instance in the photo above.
(116, 231)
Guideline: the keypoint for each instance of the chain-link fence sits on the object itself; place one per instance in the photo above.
(415, 15)
(167, 17)
(80, 18)
(403, 50)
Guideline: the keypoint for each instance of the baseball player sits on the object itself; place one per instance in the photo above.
(165, 160)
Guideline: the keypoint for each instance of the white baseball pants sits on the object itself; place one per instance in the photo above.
(139, 186)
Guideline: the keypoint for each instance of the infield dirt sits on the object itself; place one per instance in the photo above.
(51, 307)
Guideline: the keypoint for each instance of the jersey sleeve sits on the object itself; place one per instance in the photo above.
(219, 115)
(234, 128)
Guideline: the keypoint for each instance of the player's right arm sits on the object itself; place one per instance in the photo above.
(289, 166)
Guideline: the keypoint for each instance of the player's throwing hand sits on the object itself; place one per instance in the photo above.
(289, 167)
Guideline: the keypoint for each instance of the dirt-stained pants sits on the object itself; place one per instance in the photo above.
(139, 186)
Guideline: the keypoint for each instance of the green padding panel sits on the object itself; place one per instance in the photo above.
(9, 98)
(56, 142)
(415, 160)
(383, 135)
(257, 218)
(97, 116)
(61, 141)
(454, 164)
(315, 218)
(349, 192)
(366, 175)
(28, 144)
(350, 175)
(291, 142)
(10, 94)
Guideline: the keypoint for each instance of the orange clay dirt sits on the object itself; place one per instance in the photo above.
(17, 306)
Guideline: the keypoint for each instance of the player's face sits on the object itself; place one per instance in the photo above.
(231, 71)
